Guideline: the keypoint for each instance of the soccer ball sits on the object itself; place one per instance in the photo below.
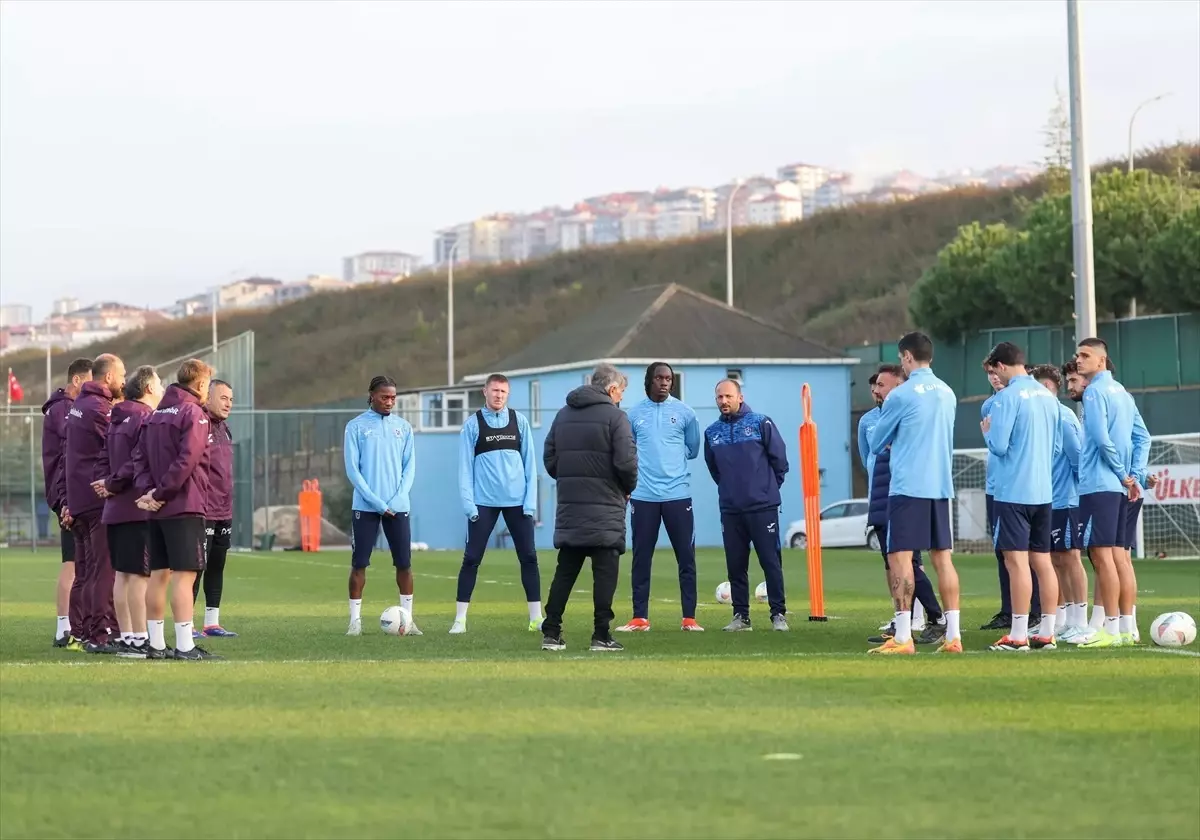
(723, 596)
(1173, 629)
(760, 593)
(395, 621)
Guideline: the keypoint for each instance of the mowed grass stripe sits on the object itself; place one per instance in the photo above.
(307, 733)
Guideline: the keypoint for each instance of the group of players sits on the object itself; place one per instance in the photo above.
(141, 480)
(1055, 487)
(641, 462)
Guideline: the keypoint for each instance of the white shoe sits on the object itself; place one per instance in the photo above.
(919, 628)
(1085, 635)
(413, 630)
(355, 628)
(1070, 632)
(458, 627)
(887, 624)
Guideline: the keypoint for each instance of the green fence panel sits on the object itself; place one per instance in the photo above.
(1188, 330)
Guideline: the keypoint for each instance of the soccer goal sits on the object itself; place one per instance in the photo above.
(1169, 526)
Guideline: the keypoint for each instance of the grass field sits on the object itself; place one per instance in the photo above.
(304, 732)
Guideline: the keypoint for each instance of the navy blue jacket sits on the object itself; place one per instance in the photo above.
(881, 483)
(747, 459)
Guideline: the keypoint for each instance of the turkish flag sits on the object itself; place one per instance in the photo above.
(15, 392)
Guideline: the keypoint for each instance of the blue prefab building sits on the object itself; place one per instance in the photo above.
(702, 339)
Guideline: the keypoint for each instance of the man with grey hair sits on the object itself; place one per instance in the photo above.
(589, 451)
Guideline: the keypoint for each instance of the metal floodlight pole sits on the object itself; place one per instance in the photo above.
(1081, 188)
(450, 316)
(729, 245)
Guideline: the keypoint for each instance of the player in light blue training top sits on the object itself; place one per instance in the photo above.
(381, 464)
(1106, 485)
(1023, 437)
(917, 422)
(866, 425)
(497, 476)
(667, 435)
(1070, 621)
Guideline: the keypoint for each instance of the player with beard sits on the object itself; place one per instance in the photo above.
(84, 462)
(1068, 566)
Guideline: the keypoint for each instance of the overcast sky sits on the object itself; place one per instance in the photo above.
(150, 149)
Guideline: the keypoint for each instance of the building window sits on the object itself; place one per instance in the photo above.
(434, 415)
(408, 406)
(455, 405)
(735, 374)
(587, 378)
(677, 386)
(475, 401)
(535, 403)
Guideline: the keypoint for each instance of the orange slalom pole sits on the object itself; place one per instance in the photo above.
(306, 505)
(811, 478)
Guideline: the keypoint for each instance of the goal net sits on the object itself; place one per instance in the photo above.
(1169, 526)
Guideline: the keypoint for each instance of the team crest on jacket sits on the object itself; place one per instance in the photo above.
(673, 418)
(398, 432)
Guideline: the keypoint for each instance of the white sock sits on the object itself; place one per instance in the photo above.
(154, 629)
(460, 610)
(1076, 615)
(1133, 615)
(952, 631)
(126, 637)
(1020, 627)
(535, 610)
(183, 636)
(406, 603)
(1126, 624)
(1060, 617)
(355, 609)
(139, 639)
(212, 616)
(1049, 626)
(64, 626)
(1097, 617)
(918, 614)
(903, 627)
(1111, 626)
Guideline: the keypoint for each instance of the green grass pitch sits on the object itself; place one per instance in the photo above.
(304, 732)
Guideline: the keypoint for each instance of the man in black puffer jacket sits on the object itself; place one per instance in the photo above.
(590, 452)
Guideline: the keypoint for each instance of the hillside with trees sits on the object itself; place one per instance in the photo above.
(842, 277)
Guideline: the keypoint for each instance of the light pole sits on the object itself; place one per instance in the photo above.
(729, 245)
(450, 315)
(1134, 117)
(213, 307)
(1081, 188)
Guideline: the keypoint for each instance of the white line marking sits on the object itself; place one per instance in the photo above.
(782, 757)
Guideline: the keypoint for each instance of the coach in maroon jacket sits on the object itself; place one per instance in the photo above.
(218, 510)
(125, 522)
(54, 442)
(86, 461)
(171, 471)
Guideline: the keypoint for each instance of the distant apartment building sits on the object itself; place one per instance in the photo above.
(443, 243)
(638, 226)
(190, 306)
(65, 306)
(774, 209)
(289, 292)
(79, 328)
(575, 230)
(249, 293)
(606, 228)
(16, 315)
(379, 266)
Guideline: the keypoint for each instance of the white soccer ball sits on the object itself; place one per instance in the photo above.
(723, 593)
(760, 593)
(1173, 629)
(395, 621)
